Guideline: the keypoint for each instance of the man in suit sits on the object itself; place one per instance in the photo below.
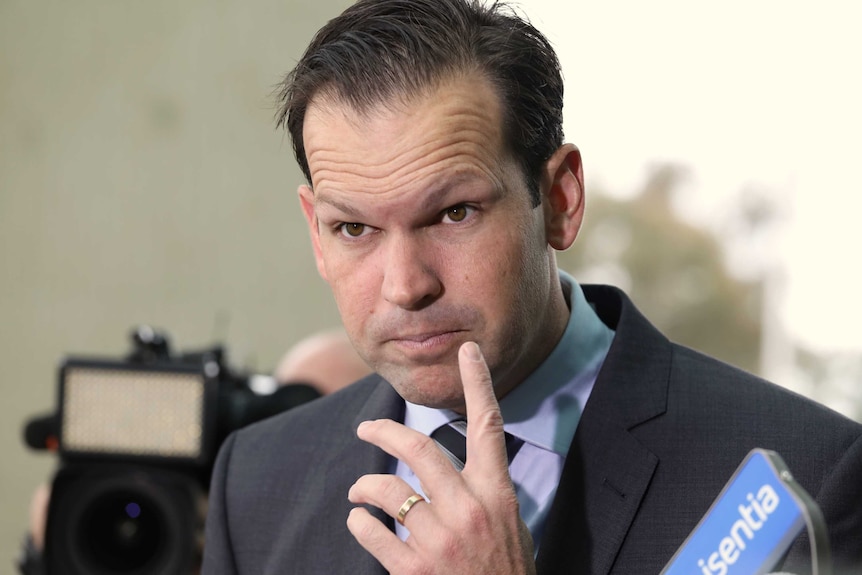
(438, 189)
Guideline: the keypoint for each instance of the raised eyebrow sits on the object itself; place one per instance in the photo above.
(346, 209)
(432, 199)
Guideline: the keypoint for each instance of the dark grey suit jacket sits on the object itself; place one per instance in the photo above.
(664, 429)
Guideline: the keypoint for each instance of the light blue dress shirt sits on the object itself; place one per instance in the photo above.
(543, 411)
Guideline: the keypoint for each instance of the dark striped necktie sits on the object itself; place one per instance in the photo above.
(452, 439)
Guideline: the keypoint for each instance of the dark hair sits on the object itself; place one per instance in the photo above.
(379, 49)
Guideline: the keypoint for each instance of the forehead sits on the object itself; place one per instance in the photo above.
(454, 126)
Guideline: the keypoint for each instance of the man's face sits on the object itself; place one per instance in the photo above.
(422, 225)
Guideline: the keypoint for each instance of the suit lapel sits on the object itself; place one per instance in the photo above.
(383, 403)
(353, 459)
(607, 471)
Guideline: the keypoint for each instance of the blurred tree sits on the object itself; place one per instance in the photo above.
(673, 271)
(832, 379)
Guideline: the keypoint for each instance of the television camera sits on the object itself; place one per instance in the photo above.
(137, 440)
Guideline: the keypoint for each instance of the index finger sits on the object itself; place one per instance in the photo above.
(486, 443)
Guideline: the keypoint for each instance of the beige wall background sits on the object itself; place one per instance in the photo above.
(142, 181)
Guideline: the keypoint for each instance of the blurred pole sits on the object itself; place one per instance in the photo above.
(777, 351)
(764, 214)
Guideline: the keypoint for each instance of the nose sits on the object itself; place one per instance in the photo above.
(409, 279)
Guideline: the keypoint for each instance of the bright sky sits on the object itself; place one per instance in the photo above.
(749, 95)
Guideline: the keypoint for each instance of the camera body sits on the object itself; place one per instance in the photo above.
(137, 439)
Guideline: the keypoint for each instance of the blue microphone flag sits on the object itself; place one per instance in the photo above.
(752, 523)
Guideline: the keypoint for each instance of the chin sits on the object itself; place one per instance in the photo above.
(440, 390)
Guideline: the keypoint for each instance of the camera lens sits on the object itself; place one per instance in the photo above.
(122, 532)
(122, 520)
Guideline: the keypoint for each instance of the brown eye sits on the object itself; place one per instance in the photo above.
(457, 213)
(353, 230)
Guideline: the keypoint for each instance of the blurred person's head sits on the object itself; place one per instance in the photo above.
(430, 133)
(326, 361)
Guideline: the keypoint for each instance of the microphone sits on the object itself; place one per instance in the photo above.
(752, 523)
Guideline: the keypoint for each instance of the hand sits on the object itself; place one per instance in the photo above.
(471, 524)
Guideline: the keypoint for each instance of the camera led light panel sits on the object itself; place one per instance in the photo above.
(140, 413)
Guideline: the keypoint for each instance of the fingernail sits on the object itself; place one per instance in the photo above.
(471, 350)
(361, 426)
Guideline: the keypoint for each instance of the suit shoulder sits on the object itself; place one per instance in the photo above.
(734, 392)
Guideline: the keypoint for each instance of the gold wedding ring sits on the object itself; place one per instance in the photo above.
(407, 506)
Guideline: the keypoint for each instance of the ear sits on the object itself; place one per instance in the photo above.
(564, 199)
(306, 200)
